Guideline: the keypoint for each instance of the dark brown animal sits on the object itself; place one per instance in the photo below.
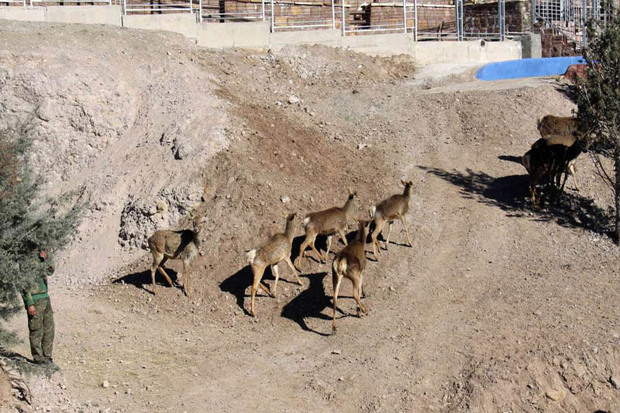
(385, 212)
(350, 263)
(544, 163)
(274, 251)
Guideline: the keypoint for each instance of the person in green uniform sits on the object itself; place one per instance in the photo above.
(40, 315)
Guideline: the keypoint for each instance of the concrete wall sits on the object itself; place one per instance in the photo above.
(65, 14)
(380, 44)
(84, 14)
(278, 40)
(219, 35)
(23, 14)
(475, 51)
(183, 23)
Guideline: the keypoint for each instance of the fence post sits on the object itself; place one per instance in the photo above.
(405, 15)
(333, 15)
(415, 20)
(458, 7)
(200, 12)
(124, 7)
(533, 14)
(263, 9)
(273, 19)
(191, 6)
(501, 11)
(584, 22)
(344, 32)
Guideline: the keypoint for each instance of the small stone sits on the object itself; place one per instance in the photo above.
(392, 288)
(341, 379)
(555, 395)
(293, 99)
(105, 384)
(336, 351)
(285, 199)
(128, 391)
(162, 206)
(615, 381)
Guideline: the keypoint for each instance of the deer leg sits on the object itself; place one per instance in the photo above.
(302, 250)
(343, 236)
(163, 272)
(387, 241)
(186, 281)
(258, 275)
(356, 294)
(153, 270)
(318, 255)
(329, 244)
(573, 170)
(362, 289)
(402, 219)
(274, 270)
(336, 280)
(290, 264)
(375, 244)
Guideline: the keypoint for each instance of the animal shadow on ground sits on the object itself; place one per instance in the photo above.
(510, 158)
(239, 283)
(511, 194)
(140, 279)
(310, 303)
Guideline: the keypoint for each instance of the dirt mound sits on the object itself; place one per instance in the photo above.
(496, 307)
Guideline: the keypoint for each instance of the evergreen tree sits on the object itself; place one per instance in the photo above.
(28, 224)
(598, 97)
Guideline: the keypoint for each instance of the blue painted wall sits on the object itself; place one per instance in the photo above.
(513, 69)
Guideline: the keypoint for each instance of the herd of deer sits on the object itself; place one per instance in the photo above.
(551, 156)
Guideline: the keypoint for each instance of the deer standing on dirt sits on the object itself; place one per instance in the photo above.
(385, 212)
(182, 245)
(350, 263)
(559, 130)
(328, 222)
(546, 162)
(274, 251)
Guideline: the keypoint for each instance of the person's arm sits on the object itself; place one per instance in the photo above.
(28, 303)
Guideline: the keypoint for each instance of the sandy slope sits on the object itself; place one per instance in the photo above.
(497, 307)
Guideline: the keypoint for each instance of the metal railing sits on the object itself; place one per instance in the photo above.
(65, 2)
(569, 17)
(216, 12)
(162, 7)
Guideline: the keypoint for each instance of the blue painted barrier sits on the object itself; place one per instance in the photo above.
(513, 69)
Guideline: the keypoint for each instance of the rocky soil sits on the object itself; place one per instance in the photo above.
(497, 307)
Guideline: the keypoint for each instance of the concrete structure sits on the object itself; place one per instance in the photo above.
(110, 15)
(216, 35)
(257, 34)
(532, 46)
(183, 23)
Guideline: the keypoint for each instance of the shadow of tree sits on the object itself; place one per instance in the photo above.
(140, 279)
(511, 194)
(310, 303)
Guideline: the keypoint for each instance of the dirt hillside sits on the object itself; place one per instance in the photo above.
(497, 307)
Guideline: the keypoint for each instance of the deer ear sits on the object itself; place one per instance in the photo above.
(402, 181)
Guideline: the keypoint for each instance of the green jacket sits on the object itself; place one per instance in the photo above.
(39, 289)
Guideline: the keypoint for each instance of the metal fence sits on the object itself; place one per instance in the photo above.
(159, 7)
(569, 17)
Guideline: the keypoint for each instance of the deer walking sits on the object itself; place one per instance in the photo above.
(328, 222)
(385, 212)
(182, 245)
(350, 263)
(274, 251)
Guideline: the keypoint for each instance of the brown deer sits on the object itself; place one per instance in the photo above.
(385, 212)
(182, 245)
(544, 163)
(350, 263)
(559, 130)
(328, 222)
(274, 251)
